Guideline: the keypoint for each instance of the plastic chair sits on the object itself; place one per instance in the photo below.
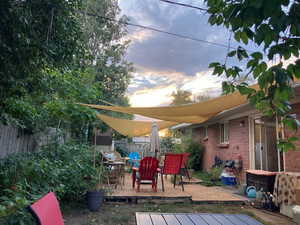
(47, 210)
(172, 166)
(148, 172)
(184, 164)
(134, 158)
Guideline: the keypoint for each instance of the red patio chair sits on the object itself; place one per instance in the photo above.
(148, 172)
(184, 164)
(47, 210)
(172, 166)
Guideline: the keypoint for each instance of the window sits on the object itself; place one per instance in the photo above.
(205, 132)
(224, 133)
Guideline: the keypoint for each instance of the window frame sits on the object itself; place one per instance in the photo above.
(205, 132)
(224, 133)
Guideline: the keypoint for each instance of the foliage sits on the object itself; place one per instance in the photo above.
(216, 173)
(167, 144)
(54, 55)
(273, 25)
(181, 97)
(211, 178)
(203, 97)
(65, 169)
(195, 149)
(36, 35)
(106, 50)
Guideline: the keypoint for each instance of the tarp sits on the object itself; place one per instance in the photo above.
(190, 113)
(133, 128)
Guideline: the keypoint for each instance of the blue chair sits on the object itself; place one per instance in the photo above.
(134, 158)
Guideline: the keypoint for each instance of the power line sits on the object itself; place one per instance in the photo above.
(183, 4)
(160, 31)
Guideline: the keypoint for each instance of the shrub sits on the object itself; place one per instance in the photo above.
(196, 153)
(216, 173)
(65, 169)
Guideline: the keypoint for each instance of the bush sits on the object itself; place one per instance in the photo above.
(65, 169)
(196, 150)
(216, 173)
(196, 153)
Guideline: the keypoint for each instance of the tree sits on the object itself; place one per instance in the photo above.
(273, 25)
(203, 97)
(55, 54)
(181, 97)
(102, 33)
(35, 37)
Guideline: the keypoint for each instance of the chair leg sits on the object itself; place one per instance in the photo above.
(162, 182)
(138, 185)
(154, 187)
(182, 183)
(187, 173)
(174, 180)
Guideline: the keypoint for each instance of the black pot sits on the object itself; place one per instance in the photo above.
(94, 200)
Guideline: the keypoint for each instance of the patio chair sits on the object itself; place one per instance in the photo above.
(47, 210)
(172, 166)
(134, 158)
(184, 165)
(147, 172)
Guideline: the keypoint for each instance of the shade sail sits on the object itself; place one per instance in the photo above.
(191, 113)
(133, 128)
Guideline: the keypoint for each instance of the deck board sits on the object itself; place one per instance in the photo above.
(197, 220)
(210, 219)
(158, 219)
(194, 219)
(171, 219)
(143, 219)
(184, 219)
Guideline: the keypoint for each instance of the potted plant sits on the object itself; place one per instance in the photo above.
(95, 195)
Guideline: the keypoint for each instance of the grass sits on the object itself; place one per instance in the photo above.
(124, 214)
(207, 178)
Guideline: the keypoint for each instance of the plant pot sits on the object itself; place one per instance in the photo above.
(94, 200)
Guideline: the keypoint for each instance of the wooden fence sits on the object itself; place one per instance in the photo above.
(14, 140)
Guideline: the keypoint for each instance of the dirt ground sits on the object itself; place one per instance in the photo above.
(124, 213)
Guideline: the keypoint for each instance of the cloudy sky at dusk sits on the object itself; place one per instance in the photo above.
(164, 62)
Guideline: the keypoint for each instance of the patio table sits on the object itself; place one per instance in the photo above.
(193, 219)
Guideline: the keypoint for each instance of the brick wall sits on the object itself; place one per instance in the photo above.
(292, 158)
(238, 143)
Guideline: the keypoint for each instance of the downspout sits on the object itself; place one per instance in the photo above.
(277, 140)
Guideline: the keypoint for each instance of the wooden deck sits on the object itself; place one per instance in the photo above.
(193, 192)
(194, 219)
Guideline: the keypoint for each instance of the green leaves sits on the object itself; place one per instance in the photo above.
(291, 123)
(275, 28)
(241, 35)
(65, 169)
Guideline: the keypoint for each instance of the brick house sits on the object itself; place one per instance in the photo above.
(242, 132)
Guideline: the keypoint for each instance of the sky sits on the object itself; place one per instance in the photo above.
(162, 62)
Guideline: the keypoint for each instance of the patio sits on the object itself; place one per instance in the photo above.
(194, 192)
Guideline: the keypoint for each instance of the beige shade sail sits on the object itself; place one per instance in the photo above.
(133, 128)
(190, 113)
